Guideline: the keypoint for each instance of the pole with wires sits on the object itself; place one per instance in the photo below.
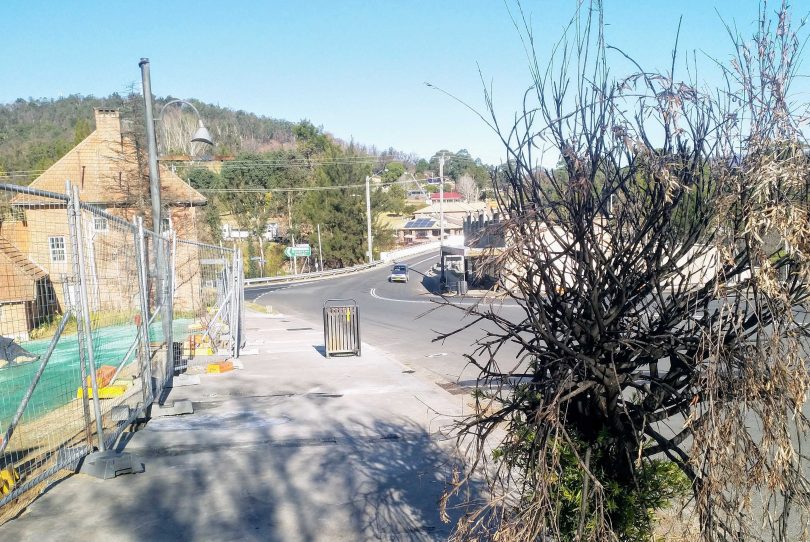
(441, 200)
(368, 219)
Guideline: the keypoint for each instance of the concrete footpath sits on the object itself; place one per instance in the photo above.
(293, 446)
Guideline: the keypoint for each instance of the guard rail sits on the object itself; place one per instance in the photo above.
(385, 258)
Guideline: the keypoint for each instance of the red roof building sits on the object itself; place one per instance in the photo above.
(448, 197)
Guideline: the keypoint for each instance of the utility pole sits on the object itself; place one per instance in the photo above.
(441, 200)
(295, 258)
(320, 252)
(154, 173)
(162, 293)
(368, 219)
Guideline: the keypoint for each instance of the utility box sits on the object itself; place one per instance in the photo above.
(341, 328)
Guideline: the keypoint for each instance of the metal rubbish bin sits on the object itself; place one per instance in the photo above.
(461, 287)
(341, 327)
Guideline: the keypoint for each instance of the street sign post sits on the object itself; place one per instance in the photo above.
(298, 251)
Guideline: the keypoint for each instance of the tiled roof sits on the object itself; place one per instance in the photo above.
(454, 207)
(436, 196)
(105, 168)
(18, 274)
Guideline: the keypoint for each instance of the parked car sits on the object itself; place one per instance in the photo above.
(399, 273)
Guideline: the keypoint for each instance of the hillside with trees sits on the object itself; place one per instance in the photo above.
(289, 177)
(34, 133)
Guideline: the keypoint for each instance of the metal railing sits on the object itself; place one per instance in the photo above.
(386, 258)
(92, 331)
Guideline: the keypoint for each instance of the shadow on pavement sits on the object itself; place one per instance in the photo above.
(378, 481)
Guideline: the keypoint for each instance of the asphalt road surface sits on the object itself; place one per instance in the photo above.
(402, 319)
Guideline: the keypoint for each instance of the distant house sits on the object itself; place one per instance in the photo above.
(106, 170)
(426, 230)
(233, 231)
(449, 197)
(456, 210)
(25, 293)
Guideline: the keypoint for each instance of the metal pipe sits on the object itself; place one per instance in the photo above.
(32, 192)
(160, 274)
(146, 354)
(232, 327)
(151, 141)
(87, 322)
(34, 381)
(80, 338)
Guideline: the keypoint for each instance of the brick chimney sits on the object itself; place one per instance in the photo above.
(108, 124)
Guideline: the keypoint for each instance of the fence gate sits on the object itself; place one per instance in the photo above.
(341, 327)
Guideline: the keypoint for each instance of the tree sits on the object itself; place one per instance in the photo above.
(341, 212)
(467, 187)
(250, 199)
(661, 282)
(393, 171)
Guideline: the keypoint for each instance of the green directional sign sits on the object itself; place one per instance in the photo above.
(298, 251)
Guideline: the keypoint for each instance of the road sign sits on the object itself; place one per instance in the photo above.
(298, 251)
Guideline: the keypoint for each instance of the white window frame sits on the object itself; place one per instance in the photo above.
(100, 224)
(58, 253)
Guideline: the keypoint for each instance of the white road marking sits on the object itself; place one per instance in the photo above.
(374, 294)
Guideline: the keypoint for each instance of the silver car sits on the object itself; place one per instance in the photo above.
(399, 273)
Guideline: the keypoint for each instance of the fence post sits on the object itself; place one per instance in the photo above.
(85, 329)
(238, 301)
(241, 298)
(146, 354)
(168, 306)
(232, 305)
(72, 296)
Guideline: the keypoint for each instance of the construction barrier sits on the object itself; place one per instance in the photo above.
(97, 314)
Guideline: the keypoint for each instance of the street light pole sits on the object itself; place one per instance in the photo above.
(162, 295)
(151, 142)
(441, 201)
(368, 219)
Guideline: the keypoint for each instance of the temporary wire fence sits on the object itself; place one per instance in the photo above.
(97, 315)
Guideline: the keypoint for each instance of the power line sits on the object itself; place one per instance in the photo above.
(229, 164)
(262, 190)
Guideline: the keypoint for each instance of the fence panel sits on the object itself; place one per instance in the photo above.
(97, 313)
(44, 422)
(110, 268)
(207, 293)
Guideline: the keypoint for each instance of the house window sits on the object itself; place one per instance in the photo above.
(100, 223)
(57, 246)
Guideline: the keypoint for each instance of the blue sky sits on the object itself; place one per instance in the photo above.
(357, 68)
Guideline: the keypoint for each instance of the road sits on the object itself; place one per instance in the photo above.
(402, 319)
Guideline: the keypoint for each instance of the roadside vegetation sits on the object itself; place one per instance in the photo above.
(663, 272)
